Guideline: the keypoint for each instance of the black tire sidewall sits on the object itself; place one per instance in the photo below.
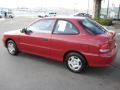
(82, 60)
(15, 46)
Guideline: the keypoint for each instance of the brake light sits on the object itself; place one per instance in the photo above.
(104, 48)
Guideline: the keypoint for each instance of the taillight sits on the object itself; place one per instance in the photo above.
(104, 48)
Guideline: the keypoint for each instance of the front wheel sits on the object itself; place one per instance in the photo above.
(10, 16)
(75, 62)
(12, 47)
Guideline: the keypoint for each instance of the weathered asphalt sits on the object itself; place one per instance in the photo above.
(29, 72)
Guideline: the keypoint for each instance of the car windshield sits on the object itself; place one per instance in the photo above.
(9, 12)
(92, 26)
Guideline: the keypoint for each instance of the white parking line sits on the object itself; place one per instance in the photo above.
(2, 19)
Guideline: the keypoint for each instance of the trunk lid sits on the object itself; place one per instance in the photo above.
(109, 38)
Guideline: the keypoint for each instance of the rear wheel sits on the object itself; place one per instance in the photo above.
(75, 62)
(12, 47)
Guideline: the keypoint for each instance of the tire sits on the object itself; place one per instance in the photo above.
(10, 16)
(12, 47)
(75, 62)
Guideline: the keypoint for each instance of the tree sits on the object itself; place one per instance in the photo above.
(97, 8)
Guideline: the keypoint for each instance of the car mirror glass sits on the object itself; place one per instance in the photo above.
(24, 30)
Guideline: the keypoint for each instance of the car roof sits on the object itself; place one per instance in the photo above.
(66, 17)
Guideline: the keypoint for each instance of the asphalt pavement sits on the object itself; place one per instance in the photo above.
(29, 72)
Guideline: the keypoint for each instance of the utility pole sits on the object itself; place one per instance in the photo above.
(88, 8)
(74, 6)
(119, 12)
(108, 9)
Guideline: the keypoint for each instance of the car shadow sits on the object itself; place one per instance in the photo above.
(108, 73)
(42, 60)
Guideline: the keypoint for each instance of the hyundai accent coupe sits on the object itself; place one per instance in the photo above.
(76, 41)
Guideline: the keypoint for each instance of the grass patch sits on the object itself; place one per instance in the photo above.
(106, 22)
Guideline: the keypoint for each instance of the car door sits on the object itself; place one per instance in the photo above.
(64, 36)
(37, 39)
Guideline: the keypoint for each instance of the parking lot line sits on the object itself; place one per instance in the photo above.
(2, 19)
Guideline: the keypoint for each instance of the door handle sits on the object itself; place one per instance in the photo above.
(45, 39)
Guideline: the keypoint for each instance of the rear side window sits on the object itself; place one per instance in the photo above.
(65, 27)
(92, 26)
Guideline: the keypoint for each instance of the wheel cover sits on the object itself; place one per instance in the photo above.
(11, 48)
(74, 63)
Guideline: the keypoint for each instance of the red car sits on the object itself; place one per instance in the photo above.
(77, 41)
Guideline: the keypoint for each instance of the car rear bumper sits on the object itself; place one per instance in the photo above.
(102, 60)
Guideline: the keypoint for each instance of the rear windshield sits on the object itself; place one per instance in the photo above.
(92, 27)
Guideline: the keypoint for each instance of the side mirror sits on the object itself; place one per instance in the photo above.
(24, 30)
